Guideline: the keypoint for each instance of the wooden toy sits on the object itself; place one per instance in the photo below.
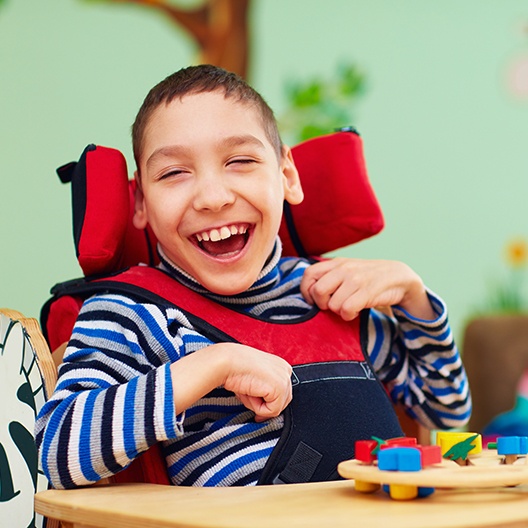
(458, 461)
(511, 447)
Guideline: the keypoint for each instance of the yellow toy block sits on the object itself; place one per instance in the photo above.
(366, 487)
(403, 492)
(463, 443)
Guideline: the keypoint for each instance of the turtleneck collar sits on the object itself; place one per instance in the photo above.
(268, 278)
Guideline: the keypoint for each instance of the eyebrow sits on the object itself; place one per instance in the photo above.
(166, 152)
(230, 141)
(246, 139)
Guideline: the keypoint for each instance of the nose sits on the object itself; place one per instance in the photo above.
(212, 193)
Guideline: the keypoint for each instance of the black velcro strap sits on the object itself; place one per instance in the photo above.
(301, 466)
(292, 231)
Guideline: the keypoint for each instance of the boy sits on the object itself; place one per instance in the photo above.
(212, 176)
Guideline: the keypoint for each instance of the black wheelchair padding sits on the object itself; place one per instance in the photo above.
(334, 404)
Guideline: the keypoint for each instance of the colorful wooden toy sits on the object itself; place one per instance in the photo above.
(408, 471)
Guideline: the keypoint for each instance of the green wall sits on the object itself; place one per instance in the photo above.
(445, 136)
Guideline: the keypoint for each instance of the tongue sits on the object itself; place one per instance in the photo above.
(229, 245)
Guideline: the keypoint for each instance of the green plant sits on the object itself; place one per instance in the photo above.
(319, 106)
(507, 295)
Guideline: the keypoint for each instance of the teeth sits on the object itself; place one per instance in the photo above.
(225, 232)
(214, 235)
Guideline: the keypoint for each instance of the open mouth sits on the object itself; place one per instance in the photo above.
(225, 241)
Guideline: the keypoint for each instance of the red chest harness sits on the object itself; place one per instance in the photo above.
(337, 399)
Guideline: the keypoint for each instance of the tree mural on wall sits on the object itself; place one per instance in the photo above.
(218, 27)
(220, 30)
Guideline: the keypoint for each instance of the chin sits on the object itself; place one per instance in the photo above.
(228, 287)
(226, 292)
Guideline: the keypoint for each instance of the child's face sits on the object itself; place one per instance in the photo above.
(208, 172)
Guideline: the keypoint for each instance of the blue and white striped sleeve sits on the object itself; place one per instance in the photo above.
(419, 363)
(114, 395)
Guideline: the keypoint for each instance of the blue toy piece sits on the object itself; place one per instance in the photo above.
(400, 459)
(425, 492)
(512, 445)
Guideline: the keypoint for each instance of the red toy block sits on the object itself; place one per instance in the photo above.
(431, 454)
(402, 441)
(364, 449)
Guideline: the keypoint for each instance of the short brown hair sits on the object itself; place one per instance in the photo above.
(199, 79)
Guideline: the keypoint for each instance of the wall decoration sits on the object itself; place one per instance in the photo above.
(219, 29)
(495, 349)
(320, 105)
(517, 71)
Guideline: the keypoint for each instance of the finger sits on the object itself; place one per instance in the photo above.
(349, 299)
(312, 274)
(327, 286)
(254, 404)
(307, 281)
(350, 308)
(262, 410)
(270, 406)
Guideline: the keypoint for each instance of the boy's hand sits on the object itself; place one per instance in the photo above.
(346, 286)
(260, 380)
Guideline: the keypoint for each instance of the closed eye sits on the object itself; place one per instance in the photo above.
(242, 161)
(172, 173)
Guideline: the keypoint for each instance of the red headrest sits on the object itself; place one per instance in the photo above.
(339, 207)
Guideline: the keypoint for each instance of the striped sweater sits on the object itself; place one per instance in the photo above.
(114, 397)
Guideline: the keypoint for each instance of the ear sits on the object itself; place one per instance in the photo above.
(140, 213)
(293, 192)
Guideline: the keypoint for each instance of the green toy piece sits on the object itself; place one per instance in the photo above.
(380, 442)
(459, 452)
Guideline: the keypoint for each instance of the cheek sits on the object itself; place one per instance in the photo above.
(268, 195)
(276, 203)
(165, 203)
(164, 219)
